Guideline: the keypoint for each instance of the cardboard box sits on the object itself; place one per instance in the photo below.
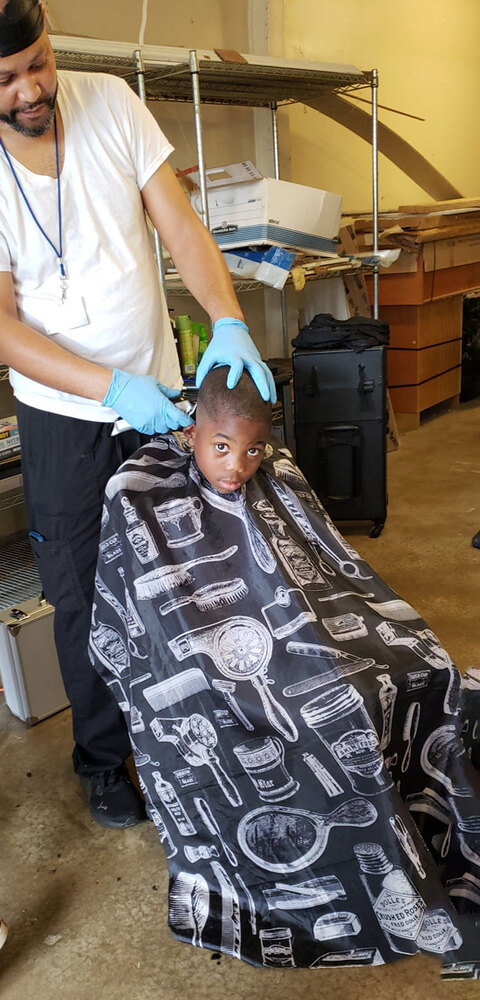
(357, 295)
(270, 265)
(452, 252)
(9, 437)
(355, 287)
(246, 211)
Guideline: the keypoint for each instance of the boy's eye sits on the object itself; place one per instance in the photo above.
(253, 452)
(221, 447)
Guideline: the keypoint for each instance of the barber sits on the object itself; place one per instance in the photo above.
(84, 329)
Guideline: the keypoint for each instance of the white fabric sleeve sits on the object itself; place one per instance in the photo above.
(147, 143)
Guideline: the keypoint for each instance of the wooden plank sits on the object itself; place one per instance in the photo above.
(437, 220)
(230, 55)
(413, 238)
(449, 231)
(420, 221)
(440, 206)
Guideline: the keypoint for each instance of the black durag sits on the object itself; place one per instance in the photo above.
(21, 23)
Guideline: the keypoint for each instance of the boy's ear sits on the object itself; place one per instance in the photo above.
(189, 433)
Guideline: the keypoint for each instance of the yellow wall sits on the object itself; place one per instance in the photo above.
(427, 56)
(426, 52)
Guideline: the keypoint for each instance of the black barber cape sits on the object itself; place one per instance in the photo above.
(295, 724)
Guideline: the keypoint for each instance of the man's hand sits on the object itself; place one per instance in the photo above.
(144, 403)
(232, 345)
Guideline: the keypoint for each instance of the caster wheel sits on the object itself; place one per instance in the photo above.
(376, 531)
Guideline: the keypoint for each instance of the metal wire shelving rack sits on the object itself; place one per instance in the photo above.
(165, 73)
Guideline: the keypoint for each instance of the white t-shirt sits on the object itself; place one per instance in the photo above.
(113, 146)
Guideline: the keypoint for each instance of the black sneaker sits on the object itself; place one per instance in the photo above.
(113, 799)
(476, 540)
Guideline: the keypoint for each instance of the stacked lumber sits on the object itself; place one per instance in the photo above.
(413, 225)
(421, 297)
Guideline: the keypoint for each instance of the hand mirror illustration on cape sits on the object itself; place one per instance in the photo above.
(280, 839)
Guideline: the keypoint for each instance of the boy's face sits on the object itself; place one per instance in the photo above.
(228, 450)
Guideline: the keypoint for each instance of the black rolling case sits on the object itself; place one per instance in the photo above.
(340, 430)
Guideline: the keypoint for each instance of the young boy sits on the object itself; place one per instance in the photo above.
(285, 707)
(231, 430)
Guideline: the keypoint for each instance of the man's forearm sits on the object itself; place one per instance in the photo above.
(194, 251)
(36, 356)
(204, 272)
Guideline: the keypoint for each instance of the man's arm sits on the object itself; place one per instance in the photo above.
(140, 399)
(204, 272)
(39, 358)
(194, 251)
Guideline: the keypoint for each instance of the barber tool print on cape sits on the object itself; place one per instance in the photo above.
(295, 725)
(235, 506)
(240, 649)
(195, 739)
(165, 578)
(283, 839)
(425, 645)
(340, 720)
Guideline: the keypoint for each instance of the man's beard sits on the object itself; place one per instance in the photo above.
(31, 130)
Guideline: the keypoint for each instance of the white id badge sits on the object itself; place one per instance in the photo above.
(64, 316)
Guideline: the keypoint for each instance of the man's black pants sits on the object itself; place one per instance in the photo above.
(66, 464)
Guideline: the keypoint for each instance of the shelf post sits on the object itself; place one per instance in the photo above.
(375, 185)
(193, 62)
(140, 74)
(276, 174)
(276, 160)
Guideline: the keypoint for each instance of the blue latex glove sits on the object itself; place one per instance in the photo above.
(144, 403)
(232, 345)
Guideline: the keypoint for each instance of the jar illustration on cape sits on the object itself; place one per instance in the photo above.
(339, 718)
(397, 905)
(263, 760)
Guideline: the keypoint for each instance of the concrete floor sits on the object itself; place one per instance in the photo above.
(86, 906)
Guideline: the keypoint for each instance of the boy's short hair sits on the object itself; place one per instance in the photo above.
(244, 400)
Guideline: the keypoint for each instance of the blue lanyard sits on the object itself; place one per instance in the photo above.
(59, 252)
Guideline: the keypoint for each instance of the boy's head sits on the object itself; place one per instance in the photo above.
(231, 430)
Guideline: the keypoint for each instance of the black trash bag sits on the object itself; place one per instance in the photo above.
(356, 333)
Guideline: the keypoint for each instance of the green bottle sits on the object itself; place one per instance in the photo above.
(202, 341)
(185, 344)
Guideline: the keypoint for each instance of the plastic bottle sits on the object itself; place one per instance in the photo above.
(203, 341)
(185, 344)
